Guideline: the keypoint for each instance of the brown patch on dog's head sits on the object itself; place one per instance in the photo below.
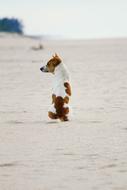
(53, 63)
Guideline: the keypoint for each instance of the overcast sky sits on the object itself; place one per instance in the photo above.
(70, 18)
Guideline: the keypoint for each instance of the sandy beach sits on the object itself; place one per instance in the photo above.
(87, 153)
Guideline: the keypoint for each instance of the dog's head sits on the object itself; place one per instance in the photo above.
(52, 64)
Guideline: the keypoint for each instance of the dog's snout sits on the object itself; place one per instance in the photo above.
(42, 68)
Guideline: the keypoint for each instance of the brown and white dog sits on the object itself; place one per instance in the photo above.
(61, 91)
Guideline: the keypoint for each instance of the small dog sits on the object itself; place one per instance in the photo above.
(62, 89)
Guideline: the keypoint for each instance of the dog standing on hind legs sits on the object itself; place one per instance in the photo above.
(61, 91)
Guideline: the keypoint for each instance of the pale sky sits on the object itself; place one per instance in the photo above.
(69, 18)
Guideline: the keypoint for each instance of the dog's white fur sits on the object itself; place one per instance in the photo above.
(61, 75)
(61, 93)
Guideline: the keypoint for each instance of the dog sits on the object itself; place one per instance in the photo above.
(61, 94)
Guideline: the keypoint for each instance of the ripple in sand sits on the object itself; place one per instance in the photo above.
(109, 166)
(69, 154)
(125, 128)
(123, 171)
(15, 122)
(5, 165)
(81, 168)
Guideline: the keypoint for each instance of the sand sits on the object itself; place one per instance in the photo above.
(87, 153)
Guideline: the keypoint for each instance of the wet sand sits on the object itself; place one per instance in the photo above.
(90, 151)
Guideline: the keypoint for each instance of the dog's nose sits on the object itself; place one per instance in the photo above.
(41, 68)
(44, 69)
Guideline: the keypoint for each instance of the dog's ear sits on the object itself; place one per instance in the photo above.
(53, 56)
(57, 60)
(56, 55)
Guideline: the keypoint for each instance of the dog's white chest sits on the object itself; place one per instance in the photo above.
(59, 89)
(61, 76)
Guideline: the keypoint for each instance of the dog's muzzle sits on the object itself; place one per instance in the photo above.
(44, 69)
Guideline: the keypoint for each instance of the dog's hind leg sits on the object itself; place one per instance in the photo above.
(52, 115)
(65, 118)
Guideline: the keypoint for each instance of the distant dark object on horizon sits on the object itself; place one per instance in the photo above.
(36, 48)
(11, 25)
